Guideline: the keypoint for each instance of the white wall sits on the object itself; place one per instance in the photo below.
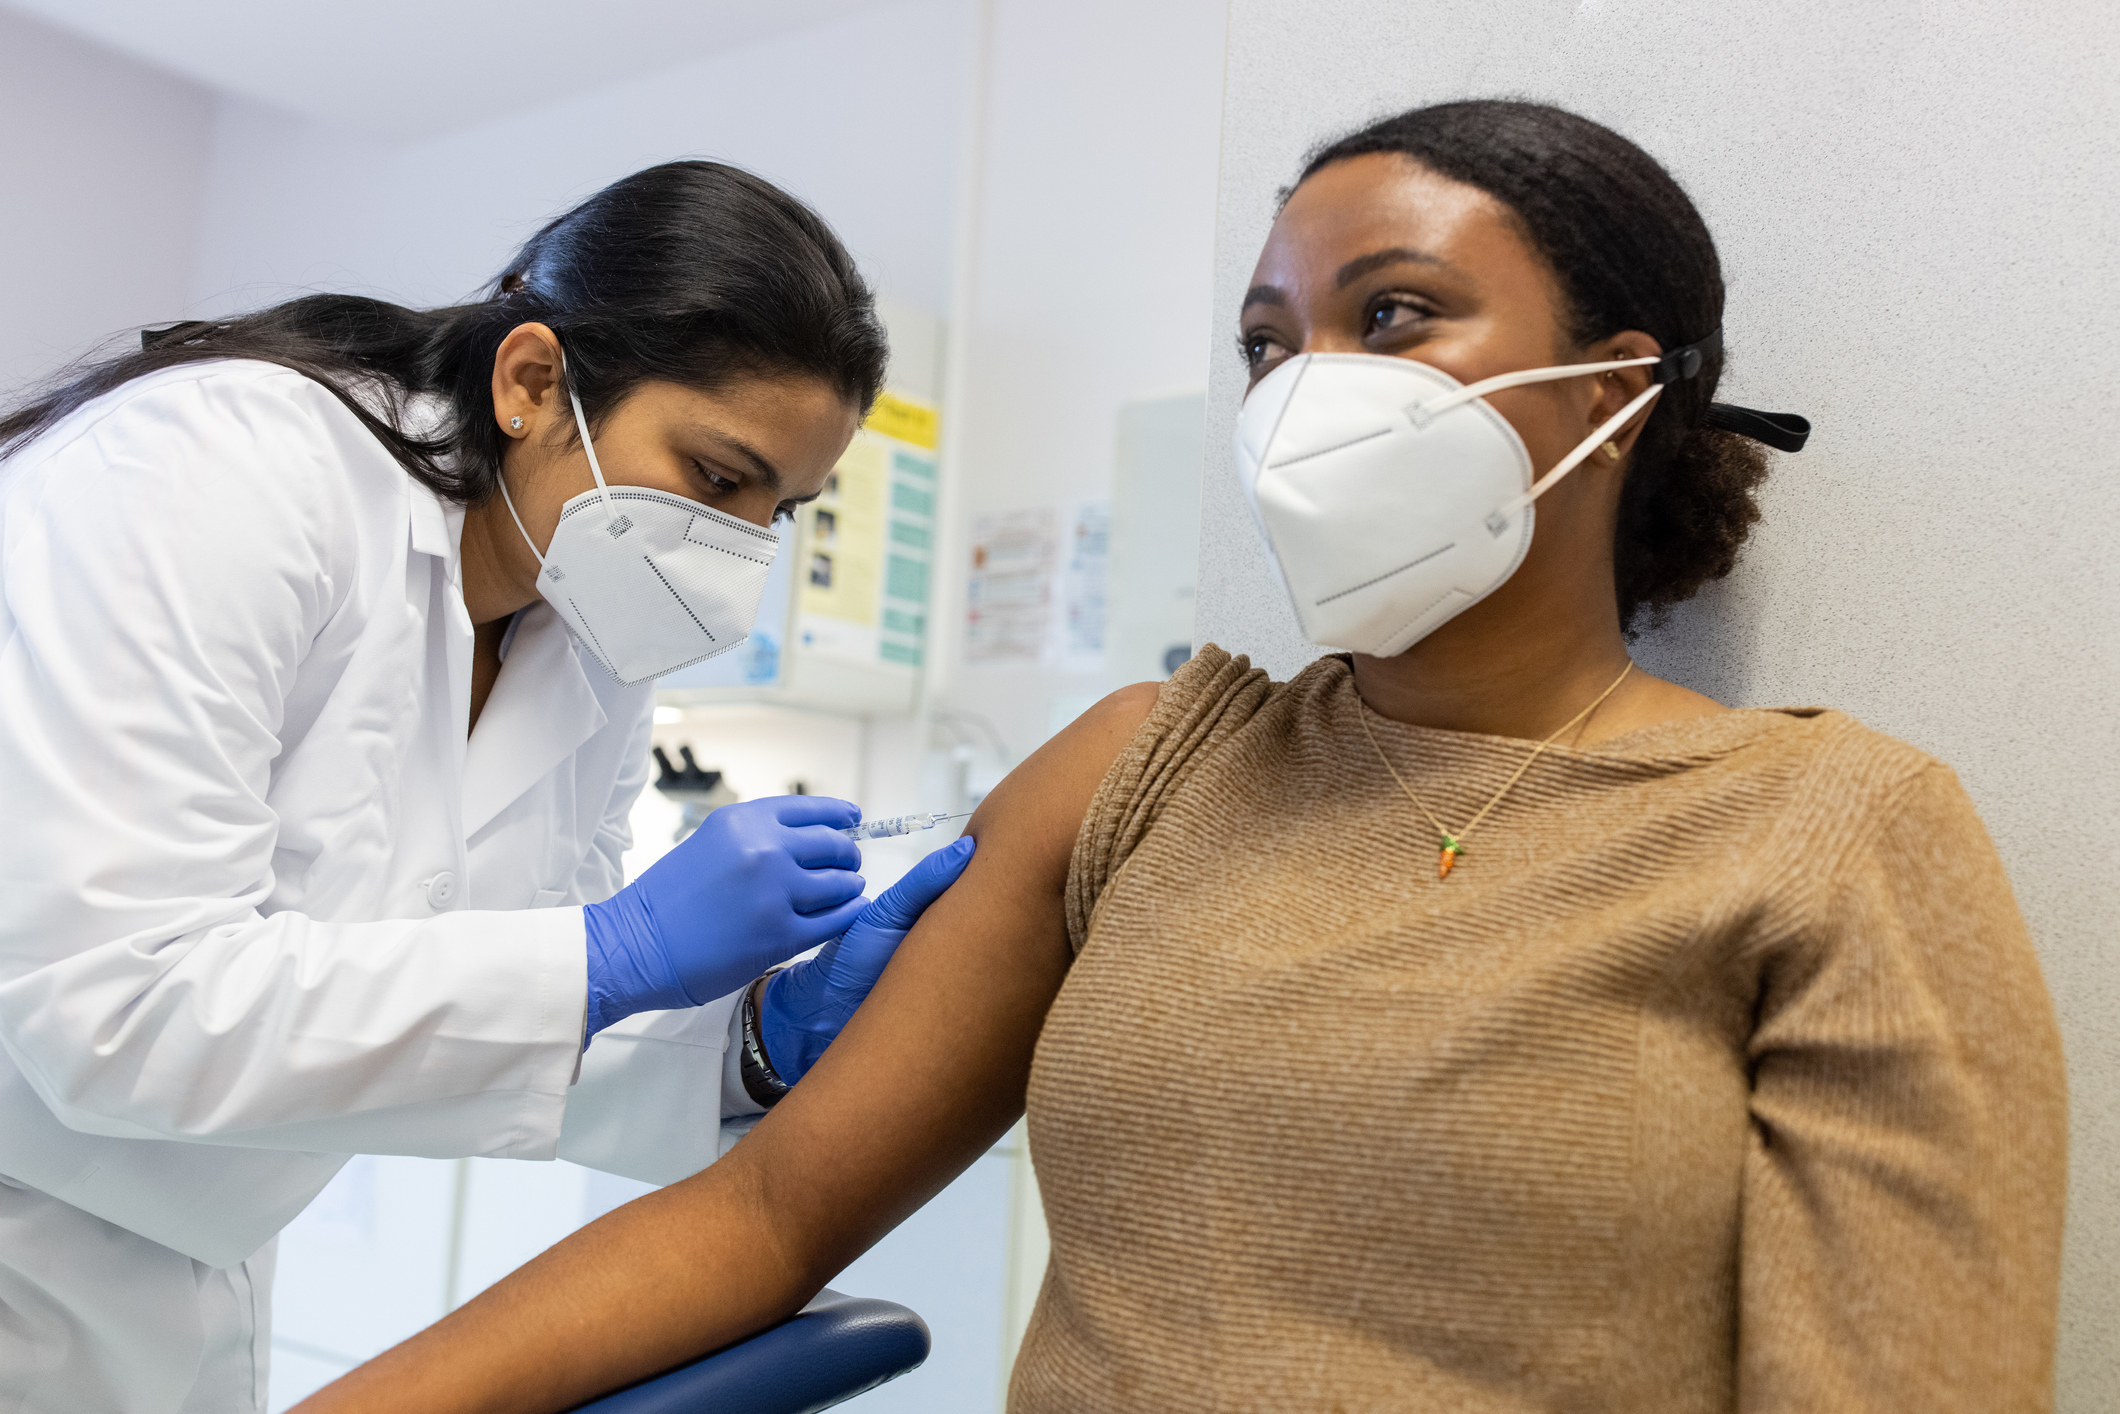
(1086, 284)
(1091, 278)
(857, 116)
(860, 116)
(1091, 287)
(1917, 211)
(99, 196)
(413, 67)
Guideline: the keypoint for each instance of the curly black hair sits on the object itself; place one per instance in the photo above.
(1630, 252)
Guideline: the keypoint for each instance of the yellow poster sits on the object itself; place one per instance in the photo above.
(868, 542)
(840, 573)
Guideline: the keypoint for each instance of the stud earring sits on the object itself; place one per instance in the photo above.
(517, 424)
(1612, 450)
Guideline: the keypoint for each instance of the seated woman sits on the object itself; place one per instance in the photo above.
(1472, 1023)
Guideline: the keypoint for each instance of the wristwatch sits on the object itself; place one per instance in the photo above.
(760, 1081)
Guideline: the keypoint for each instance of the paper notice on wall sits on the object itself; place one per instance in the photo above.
(838, 579)
(1081, 631)
(1009, 597)
(862, 591)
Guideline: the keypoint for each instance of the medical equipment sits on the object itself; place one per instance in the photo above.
(831, 1350)
(697, 790)
(891, 825)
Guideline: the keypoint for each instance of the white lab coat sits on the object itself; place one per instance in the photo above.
(261, 904)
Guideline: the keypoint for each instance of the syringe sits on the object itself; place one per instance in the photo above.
(897, 825)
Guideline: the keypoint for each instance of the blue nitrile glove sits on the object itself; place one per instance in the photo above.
(806, 1005)
(756, 883)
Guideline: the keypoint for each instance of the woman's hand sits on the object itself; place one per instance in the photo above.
(757, 883)
(806, 1005)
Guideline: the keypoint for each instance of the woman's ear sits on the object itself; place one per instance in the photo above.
(526, 380)
(1619, 387)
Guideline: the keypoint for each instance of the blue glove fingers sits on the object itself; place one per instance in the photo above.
(819, 890)
(903, 902)
(796, 810)
(820, 847)
(806, 1006)
(810, 929)
(862, 954)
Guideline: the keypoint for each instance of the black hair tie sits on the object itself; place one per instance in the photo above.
(1687, 362)
(1783, 431)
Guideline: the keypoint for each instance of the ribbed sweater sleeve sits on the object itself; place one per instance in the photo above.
(1902, 1190)
(1206, 700)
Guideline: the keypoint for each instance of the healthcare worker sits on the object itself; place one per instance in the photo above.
(327, 641)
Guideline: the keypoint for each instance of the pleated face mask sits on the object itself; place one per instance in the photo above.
(650, 582)
(1393, 497)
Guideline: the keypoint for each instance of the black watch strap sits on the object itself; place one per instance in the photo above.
(760, 1082)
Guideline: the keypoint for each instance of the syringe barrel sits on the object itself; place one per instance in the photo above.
(894, 825)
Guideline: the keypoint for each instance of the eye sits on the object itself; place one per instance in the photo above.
(784, 513)
(1260, 348)
(716, 482)
(1391, 315)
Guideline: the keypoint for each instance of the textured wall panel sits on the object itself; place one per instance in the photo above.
(1918, 211)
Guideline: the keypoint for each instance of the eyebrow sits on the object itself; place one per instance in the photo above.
(767, 472)
(1361, 265)
(1352, 271)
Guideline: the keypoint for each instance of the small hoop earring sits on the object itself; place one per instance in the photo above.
(1612, 450)
(517, 424)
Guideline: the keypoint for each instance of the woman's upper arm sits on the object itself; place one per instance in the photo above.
(933, 1067)
(1903, 1193)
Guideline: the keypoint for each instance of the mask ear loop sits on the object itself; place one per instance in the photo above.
(1498, 521)
(509, 502)
(581, 425)
(1669, 367)
(1423, 413)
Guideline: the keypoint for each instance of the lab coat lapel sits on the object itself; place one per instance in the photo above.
(542, 709)
(437, 529)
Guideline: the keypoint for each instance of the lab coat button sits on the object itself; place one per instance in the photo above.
(441, 890)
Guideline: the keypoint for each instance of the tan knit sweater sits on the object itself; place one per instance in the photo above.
(1718, 1076)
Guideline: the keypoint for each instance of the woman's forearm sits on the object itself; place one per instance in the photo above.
(649, 1286)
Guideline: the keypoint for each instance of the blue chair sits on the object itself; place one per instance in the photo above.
(831, 1350)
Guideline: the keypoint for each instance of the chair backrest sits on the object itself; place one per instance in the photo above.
(833, 1349)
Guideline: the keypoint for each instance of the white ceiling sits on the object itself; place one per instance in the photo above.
(409, 68)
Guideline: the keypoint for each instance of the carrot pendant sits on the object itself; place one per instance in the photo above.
(1451, 850)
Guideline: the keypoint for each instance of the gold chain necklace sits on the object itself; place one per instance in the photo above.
(1452, 845)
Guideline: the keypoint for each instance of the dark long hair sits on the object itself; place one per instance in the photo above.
(1630, 252)
(690, 272)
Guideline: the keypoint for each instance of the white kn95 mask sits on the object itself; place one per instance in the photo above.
(1393, 497)
(650, 582)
